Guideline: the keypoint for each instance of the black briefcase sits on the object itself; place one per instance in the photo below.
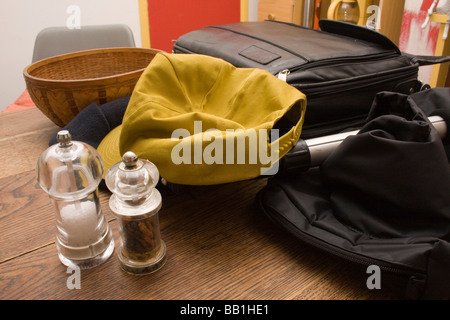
(339, 68)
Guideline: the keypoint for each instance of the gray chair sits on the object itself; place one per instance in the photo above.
(54, 41)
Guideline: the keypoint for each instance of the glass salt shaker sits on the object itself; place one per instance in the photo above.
(135, 202)
(70, 172)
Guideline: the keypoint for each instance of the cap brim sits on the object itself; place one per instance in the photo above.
(109, 149)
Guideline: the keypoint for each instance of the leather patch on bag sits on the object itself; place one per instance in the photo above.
(259, 55)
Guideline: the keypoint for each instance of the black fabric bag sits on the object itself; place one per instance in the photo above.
(381, 198)
(339, 68)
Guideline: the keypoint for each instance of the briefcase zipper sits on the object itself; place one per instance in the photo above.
(283, 75)
(342, 85)
(333, 61)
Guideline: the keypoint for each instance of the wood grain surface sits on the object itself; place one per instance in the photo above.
(219, 244)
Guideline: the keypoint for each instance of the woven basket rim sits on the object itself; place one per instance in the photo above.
(61, 57)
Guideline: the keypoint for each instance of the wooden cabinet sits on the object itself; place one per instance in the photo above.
(391, 15)
(281, 10)
(439, 75)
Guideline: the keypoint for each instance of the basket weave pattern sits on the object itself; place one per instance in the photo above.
(64, 85)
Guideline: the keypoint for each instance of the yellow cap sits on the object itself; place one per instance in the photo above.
(202, 121)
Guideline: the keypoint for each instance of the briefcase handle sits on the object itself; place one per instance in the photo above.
(357, 32)
(366, 34)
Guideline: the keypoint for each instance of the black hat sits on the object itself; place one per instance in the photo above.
(94, 122)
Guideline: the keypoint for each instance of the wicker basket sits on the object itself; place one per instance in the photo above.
(64, 85)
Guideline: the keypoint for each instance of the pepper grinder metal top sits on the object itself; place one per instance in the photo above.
(130, 160)
(64, 138)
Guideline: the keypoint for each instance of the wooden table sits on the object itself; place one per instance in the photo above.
(219, 244)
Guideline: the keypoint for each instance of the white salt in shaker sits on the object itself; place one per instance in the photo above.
(136, 202)
(70, 172)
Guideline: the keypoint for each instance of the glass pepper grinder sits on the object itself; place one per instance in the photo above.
(70, 172)
(135, 202)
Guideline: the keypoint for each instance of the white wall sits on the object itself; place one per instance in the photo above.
(21, 20)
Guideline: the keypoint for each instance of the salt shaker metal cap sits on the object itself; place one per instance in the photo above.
(135, 202)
